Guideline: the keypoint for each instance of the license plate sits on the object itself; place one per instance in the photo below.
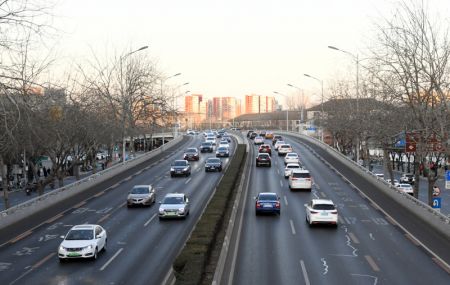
(73, 254)
(171, 213)
(324, 214)
(267, 205)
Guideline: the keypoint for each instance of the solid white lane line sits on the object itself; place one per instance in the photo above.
(111, 259)
(285, 200)
(187, 181)
(146, 223)
(353, 238)
(292, 227)
(305, 274)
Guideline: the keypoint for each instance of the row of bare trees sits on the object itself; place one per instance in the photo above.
(404, 86)
(98, 106)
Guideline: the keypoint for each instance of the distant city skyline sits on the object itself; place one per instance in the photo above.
(229, 48)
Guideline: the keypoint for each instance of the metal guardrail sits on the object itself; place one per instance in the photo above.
(86, 182)
(412, 199)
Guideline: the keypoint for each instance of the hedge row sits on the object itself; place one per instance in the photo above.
(190, 263)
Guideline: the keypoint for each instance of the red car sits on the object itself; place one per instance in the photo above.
(191, 154)
(265, 148)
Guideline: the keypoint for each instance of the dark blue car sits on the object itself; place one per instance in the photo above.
(267, 202)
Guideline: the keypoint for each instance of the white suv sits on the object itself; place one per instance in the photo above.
(284, 149)
(300, 179)
(321, 211)
(289, 167)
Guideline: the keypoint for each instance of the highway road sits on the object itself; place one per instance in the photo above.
(366, 247)
(141, 248)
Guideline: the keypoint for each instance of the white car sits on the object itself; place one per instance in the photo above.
(259, 140)
(396, 183)
(300, 179)
(277, 144)
(284, 149)
(174, 205)
(224, 143)
(289, 167)
(291, 157)
(406, 188)
(321, 211)
(212, 140)
(83, 241)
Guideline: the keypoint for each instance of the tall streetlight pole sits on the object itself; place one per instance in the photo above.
(126, 101)
(356, 59)
(301, 103)
(175, 108)
(162, 81)
(287, 109)
(321, 112)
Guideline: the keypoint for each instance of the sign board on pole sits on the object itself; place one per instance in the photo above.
(436, 203)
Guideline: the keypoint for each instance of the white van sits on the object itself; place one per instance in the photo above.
(300, 179)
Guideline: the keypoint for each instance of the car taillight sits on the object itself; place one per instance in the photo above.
(277, 205)
(293, 178)
(334, 212)
(258, 205)
(308, 179)
(314, 212)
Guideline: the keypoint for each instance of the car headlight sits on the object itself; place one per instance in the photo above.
(161, 210)
(185, 169)
(172, 169)
(89, 247)
(181, 210)
(62, 248)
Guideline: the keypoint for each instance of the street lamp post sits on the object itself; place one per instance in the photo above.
(162, 81)
(356, 59)
(301, 103)
(175, 108)
(287, 110)
(321, 112)
(126, 101)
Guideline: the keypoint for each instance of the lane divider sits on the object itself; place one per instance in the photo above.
(372, 263)
(111, 259)
(151, 219)
(21, 236)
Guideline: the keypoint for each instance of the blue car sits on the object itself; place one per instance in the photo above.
(267, 202)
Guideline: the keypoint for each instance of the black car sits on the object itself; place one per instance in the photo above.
(276, 138)
(222, 151)
(206, 147)
(213, 164)
(191, 154)
(263, 159)
(180, 167)
(253, 135)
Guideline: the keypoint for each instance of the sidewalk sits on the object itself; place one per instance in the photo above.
(19, 196)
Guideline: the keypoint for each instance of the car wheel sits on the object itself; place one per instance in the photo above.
(171, 175)
(220, 169)
(270, 164)
(105, 245)
(61, 260)
(95, 254)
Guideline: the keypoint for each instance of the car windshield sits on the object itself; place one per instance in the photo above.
(180, 163)
(263, 155)
(140, 190)
(323, 207)
(191, 150)
(301, 175)
(293, 166)
(173, 200)
(80, 235)
(206, 144)
(267, 197)
(213, 160)
(294, 155)
(222, 149)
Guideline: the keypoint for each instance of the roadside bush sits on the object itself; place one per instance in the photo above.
(190, 263)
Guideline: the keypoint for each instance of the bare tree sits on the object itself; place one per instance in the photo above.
(413, 60)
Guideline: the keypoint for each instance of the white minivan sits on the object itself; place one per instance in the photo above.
(300, 179)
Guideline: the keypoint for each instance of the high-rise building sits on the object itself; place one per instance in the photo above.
(195, 109)
(259, 104)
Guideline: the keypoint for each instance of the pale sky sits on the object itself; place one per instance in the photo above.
(229, 47)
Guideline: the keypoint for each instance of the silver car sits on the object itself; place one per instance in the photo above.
(141, 195)
(174, 205)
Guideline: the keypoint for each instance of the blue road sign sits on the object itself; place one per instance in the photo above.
(447, 175)
(436, 203)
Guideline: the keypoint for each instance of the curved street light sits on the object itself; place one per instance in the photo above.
(321, 112)
(301, 103)
(121, 76)
(287, 110)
